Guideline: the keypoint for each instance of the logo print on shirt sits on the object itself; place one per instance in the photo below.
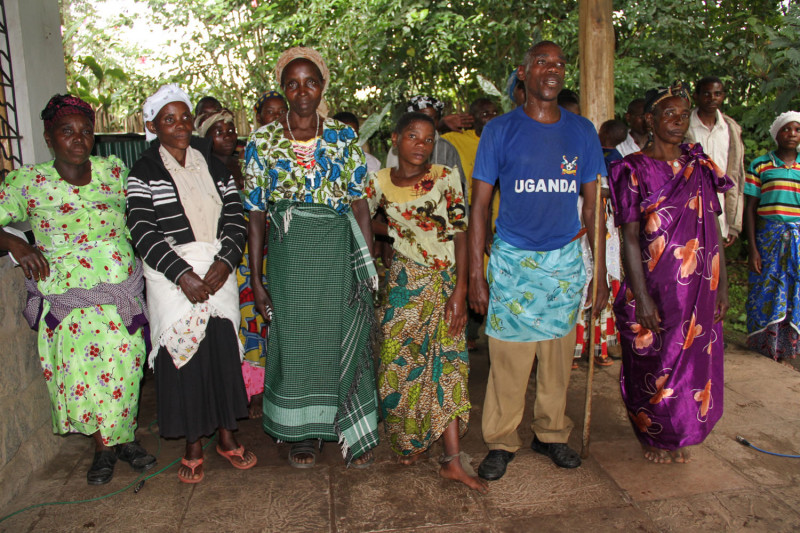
(569, 167)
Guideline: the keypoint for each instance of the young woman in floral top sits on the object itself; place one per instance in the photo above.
(423, 373)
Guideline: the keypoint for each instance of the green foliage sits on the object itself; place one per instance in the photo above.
(380, 52)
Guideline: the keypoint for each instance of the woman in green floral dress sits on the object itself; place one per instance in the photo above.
(84, 285)
(422, 378)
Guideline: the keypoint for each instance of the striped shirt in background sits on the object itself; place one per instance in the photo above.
(777, 186)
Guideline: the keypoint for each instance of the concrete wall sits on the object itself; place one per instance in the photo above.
(26, 438)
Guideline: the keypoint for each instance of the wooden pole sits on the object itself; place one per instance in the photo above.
(596, 60)
(599, 215)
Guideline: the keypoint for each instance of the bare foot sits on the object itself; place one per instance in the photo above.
(656, 455)
(364, 460)
(408, 460)
(681, 455)
(455, 471)
(255, 410)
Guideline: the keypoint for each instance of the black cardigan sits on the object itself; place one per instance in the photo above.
(150, 225)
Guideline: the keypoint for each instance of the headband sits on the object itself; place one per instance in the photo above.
(61, 106)
(654, 96)
(204, 122)
(301, 52)
(264, 97)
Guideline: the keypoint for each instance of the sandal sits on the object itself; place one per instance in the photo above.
(602, 361)
(304, 447)
(191, 464)
(237, 452)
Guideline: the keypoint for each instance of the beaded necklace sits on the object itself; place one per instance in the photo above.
(304, 150)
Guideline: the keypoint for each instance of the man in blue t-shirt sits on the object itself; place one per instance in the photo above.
(543, 158)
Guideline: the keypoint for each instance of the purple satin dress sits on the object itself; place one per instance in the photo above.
(672, 379)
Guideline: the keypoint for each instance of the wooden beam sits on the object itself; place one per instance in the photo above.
(596, 61)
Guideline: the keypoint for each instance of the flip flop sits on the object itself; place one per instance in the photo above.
(237, 452)
(192, 464)
(599, 361)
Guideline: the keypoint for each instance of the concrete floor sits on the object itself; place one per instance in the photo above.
(727, 487)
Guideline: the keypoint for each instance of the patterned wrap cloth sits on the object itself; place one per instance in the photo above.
(672, 379)
(772, 321)
(423, 373)
(321, 380)
(533, 296)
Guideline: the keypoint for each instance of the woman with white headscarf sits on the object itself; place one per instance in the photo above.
(772, 223)
(185, 217)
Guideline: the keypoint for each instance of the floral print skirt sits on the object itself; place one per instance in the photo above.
(422, 380)
(92, 368)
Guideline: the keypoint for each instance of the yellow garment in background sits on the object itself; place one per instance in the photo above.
(466, 143)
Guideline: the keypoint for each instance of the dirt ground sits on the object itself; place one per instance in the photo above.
(727, 487)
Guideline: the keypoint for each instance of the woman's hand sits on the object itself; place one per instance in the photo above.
(217, 275)
(647, 313)
(754, 261)
(31, 261)
(721, 304)
(262, 301)
(455, 312)
(195, 289)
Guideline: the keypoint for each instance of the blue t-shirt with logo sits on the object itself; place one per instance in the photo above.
(540, 169)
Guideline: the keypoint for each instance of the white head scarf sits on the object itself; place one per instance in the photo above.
(782, 120)
(166, 94)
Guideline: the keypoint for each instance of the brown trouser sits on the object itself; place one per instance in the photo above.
(508, 382)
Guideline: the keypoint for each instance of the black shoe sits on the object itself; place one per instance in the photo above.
(561, 454)
(136, 456)
(494, 464)
(102, 469)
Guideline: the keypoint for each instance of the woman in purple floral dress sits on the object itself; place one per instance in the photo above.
(675, 294)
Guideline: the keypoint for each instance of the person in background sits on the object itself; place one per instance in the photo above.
(637, 135)
(515, 89)
(532, 290)
(269, 107)
(612, 132)
(345, 117)
(185, 218)
(670, 306)
(84, 286)
(568, 99)
(424, 363)
(220, 129)
(308, 173)
(482, 111)
(207, 104)
(721, 138)
(772, 224)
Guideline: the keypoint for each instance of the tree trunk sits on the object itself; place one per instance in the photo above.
(596, 46)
